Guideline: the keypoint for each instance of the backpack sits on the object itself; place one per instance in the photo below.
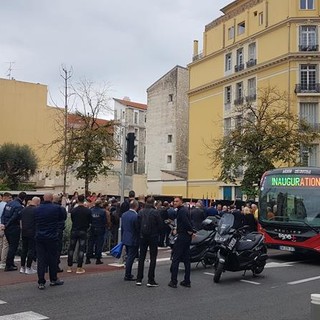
(146, 223)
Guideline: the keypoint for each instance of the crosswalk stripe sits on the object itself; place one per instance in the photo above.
(300, 281)
(24, 316)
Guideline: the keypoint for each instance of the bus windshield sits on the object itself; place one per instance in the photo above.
(290, 199)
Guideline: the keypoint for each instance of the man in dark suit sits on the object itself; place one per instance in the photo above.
(130, 237)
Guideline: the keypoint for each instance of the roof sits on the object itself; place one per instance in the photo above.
(179, 174)
(132, 104)
(74, 119)
(174, 68)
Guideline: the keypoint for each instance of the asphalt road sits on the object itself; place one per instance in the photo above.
(282, 292)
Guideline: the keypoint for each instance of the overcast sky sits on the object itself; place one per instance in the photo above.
(127, 44)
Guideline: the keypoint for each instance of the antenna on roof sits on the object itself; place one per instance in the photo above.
(9, 71)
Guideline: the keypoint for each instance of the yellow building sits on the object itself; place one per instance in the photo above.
(254, 44)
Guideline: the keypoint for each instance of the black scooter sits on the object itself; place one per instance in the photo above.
(238, 251)
(203, 248)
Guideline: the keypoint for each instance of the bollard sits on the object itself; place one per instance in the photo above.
(315, 306)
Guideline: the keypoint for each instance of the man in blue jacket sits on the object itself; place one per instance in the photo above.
(48, 216)
(97, 232)
(130, 237)
(11, 220)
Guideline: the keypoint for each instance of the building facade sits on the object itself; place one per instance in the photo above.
(254, 44)
(27, 119)
(167, 133)
(131, 117)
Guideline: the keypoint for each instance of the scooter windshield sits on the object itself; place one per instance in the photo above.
(225, 223)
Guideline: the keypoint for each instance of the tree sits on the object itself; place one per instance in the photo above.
(17, 164)
(264, 136)
(87, 147)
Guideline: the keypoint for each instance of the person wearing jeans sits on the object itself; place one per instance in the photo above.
(150, 225)
(81, 219)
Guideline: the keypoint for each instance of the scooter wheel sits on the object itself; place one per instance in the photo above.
(218, 272)
(258, 269)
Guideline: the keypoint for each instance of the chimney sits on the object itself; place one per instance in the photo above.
(195, 48)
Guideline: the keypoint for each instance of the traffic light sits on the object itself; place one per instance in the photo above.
(130, 147)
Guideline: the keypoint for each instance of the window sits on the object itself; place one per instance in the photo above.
(240, 65)
(135, 117)
(238, 122)
(252, 55)
(169, 159)
(308, 38)
(231, 33)
(308, 74)
(252, 51)
(228, 65)
(115, 115)
(239, 94)
(241, 27)
(239, 90)
(313, 155)
(310, 113)
(306, 4)
(169, 138)
(251, 89)
(260, 18)
(227, 126)
(170, 97)
(227, 98)
(123, 115)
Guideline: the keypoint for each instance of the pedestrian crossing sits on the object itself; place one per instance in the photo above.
(28, 315)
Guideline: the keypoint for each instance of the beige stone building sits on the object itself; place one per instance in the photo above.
(131, 117)
(167, 133)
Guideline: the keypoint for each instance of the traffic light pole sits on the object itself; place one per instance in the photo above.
(123, 172)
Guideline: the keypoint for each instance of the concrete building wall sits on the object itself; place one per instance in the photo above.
(167, 126)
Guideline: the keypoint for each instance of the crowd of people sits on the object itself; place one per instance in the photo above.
(146, 224)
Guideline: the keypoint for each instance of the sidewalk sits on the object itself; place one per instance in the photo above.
(109, 264)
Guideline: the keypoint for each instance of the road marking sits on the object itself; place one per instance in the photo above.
(209, 274)
(278, 264)
(24, 316)
(251, 282)
(303, 280)
(2, 302)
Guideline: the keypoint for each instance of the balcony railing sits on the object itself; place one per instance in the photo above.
(251, 63)
(239, 67)
(251, 97)
(197, 57)
(307, 88)
(312, 47)
(315, 126)
(238, 101)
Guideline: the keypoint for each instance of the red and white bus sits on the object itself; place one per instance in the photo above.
(289, 209)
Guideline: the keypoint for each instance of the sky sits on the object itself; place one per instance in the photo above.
(125, 44)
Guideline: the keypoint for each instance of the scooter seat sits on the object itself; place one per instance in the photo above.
(249, 241)
(201, 236)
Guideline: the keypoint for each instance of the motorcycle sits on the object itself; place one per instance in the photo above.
(238, 251)
(202, 248)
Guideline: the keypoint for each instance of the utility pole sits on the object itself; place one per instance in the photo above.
(66, 76)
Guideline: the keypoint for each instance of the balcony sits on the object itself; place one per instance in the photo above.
(314, 126)
(251, 63)
(239, 67)
(312, 47)
(251, 97)
(197, 57)
(238, 101)
(307, 88)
